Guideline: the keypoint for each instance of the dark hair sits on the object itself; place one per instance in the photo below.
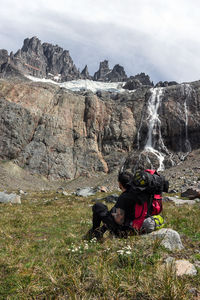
(125, 178)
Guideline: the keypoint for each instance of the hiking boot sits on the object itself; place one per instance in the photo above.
(89, 235)
(97, 233)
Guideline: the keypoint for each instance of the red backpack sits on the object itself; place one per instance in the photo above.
(154, 184)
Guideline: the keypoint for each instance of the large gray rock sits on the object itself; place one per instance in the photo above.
(9, 198)
(170, 238)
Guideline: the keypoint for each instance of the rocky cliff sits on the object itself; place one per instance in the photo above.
(60, 134)
(44, 60)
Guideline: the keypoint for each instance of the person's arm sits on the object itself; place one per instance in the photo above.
(118, 215)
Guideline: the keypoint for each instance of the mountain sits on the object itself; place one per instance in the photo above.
(44, 60)
(48, 129)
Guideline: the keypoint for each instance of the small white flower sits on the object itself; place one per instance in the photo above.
(120, 252)
(128, 252)
(128, 247)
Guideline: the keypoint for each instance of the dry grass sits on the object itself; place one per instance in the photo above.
(43, 256)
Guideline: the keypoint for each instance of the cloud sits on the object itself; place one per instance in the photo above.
(152, 36)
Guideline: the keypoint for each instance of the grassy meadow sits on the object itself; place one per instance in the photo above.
(43, 254)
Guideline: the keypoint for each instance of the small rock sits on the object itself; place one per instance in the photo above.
(85, 192)
(184, 267)
(65, 193)
(60, 190)
(103, 189)
(169, 260)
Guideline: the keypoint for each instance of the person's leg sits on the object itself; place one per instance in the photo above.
(102, 214)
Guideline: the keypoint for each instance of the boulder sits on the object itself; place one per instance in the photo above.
(179, 202)
(170, 238)
(9, 198)
(181, 267)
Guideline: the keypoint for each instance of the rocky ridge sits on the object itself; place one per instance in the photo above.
(44, 60)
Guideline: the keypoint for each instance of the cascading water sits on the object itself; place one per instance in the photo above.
(155, 142)
(187, 92)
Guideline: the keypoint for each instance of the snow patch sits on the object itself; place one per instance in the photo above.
(81, 84)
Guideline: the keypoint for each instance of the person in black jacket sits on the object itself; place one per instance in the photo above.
(118, 219)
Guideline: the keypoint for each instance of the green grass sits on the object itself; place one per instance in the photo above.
(43, 255)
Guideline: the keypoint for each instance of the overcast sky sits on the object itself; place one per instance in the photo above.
(158, 37)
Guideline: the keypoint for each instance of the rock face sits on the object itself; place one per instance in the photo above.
(169, 127)
(60, 134)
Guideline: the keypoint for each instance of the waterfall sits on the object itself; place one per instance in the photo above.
(187, 91)
(155, 142)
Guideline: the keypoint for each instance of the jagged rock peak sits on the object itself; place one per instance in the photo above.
(106, 74)
(85, 73)
(103, 71)
(43, 60)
